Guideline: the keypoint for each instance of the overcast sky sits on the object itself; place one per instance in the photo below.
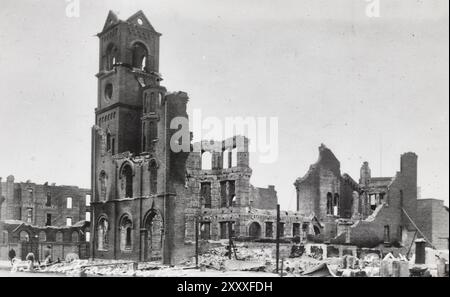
(369, 88)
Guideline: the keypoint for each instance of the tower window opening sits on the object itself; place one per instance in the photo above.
(140, 54)
(111, 57)
(108, 92)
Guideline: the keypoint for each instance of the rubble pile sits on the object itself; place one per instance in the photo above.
(247, 259)
(216, 258)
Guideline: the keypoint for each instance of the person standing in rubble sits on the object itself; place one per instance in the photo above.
(48, 256)
(30, 259)
(11, 255)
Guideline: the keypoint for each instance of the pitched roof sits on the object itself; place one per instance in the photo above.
(111, 20)
(140, 19)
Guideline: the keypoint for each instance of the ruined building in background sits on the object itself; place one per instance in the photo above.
(373, 211)
(138, 182)
(221, 197)
(34, 217)
(42, 205)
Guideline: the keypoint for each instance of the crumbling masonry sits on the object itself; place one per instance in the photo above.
(377, 210)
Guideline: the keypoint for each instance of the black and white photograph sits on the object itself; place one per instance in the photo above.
(226, 140)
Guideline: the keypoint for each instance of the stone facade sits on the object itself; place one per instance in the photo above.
(42, 205)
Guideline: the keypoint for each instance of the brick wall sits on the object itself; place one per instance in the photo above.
(20, 197)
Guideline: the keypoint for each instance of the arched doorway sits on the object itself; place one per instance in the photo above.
(126, 227)
(153, 236)
(254, 230)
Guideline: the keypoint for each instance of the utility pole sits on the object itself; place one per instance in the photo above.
(230, 242)
(196, 242)
(278, 237)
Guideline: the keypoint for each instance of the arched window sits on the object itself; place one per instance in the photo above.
(126, 227)
(140, 56)
(102, 180)
(111, 56)
(59, 236)
(102, 234)
(24, 236)
(75, 236)
(154, 235)
(254, 231)
(329, 203)
(127, 181)
(206, 161)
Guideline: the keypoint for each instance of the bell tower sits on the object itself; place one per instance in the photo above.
(129, 63)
